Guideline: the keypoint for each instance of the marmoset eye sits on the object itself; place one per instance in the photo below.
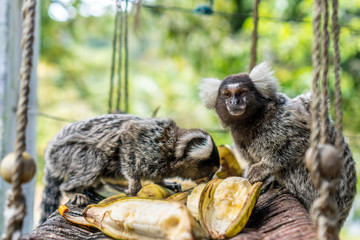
(242, 92)
(227, 94)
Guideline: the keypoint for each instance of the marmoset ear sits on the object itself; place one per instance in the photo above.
(263, 79)
(209, 88)
(194, 144)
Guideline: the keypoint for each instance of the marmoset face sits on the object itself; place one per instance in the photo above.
(236, 96)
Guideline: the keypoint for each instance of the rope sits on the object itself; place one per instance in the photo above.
(15, 204)
(315, 101)
(338, 112)
(118, 99)
(126, 60)
(159, 7)
(114, 47)
(254, 35)
(324, 209)
(120, 42)
(325, 62)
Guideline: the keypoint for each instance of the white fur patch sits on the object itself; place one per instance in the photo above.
(233, 87)
(263, 79)
(201, 151)
(209, 88)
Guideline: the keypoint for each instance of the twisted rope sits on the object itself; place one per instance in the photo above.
(126, 59)
(118, 99)
(338, 110)
(120, 41)
(254, 35)
(15, 204)
(114, 48)
(324, 209)
(325, 64)
(315, 96)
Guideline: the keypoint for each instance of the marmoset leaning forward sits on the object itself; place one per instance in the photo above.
(121, 146)
(271, 132)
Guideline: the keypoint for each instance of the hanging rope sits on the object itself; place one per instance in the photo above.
(120, 47)
(15, 203)
(118, 99)
(325, 63)
(254, 35)
(324, 209)
(114, 49)
(338, 110)
(126, 60)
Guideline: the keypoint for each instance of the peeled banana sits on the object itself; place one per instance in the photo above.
(193, 199)
(139, 218)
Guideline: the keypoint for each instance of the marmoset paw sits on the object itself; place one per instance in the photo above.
(256, 174)
(79, 199)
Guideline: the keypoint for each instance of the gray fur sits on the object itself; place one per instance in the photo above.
(122, 146)
(272, 135)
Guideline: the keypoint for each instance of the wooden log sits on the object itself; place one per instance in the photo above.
(276, 215)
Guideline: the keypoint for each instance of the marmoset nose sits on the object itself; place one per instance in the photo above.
(234, 101)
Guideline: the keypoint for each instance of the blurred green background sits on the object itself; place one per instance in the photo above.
(171, 49)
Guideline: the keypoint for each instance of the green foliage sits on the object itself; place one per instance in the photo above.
(173, 48)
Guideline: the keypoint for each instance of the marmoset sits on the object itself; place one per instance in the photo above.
(121, 146)
(272, 132)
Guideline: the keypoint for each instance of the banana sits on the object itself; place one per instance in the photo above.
(193, 199)
(139, 218)
(154, 191)
(225, 206)
(180, 197)
(229, 166)
(112, 198)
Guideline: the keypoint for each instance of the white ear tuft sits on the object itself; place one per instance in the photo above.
(208, 91)
(263, 79)
(201, 150)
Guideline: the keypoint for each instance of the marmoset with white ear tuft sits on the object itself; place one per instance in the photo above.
(271, 131)
(121, 146)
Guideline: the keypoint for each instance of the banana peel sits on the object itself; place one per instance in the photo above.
(148, 191)
(226, 205)
(113, 198)
(139, 218)
(154, 191)
(229, 165)
(180, 197)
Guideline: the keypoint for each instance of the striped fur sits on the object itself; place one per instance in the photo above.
(123, 146)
